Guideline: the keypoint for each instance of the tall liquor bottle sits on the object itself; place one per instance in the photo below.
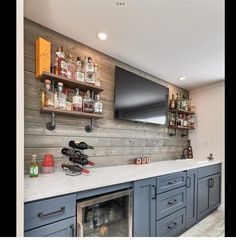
(190, 150)
(79, 70)
(89, 71)
(62, 65)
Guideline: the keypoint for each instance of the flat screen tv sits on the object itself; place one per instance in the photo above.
(139, 99)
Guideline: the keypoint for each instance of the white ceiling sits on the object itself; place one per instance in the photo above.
(166, 38)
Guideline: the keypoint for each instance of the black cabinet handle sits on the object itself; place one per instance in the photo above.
(155, 191)
(72, 227)
(43, 215)
(172, 201)
(172, 182)
(211, 182)
(188, 181)
(171, 225)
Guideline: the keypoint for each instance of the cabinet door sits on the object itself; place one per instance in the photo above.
(203, 197)
(191, 208)
(214, 191)
(64, 228)
(144, 208)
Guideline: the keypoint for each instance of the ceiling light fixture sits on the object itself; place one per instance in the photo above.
(102, 35)
(182, 78)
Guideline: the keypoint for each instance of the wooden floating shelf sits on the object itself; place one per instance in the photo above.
(182, 111)
(71, 113)
(181, 127)
(69, 83)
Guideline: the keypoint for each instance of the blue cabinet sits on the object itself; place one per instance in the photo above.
(191, 207)
(209, 190)
(144, 208)
(53, 217)
(64, 228)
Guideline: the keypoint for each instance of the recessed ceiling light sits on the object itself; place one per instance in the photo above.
(102, 35)
(182, 78)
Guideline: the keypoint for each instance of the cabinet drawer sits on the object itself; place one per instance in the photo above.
(171, 181)
(209, 170)
(172, 225)
(64, 228)
(170, 202)
(47, 211)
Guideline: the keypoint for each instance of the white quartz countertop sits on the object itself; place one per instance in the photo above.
(51, 185)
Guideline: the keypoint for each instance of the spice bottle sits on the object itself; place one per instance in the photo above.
(34, 169)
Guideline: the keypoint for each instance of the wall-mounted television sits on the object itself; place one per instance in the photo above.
(139, 99)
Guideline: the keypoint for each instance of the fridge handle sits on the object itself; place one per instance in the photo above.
(80, 229)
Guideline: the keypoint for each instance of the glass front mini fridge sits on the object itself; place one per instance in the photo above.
(108, 215)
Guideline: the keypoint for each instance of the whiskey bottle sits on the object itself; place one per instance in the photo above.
(61, 96)
(70, 67)
(89, 71)
(177, 101)
(62, 65)
(98, 105)
(97, 75)
(88, 102)
(49, 102)
(77, 102)
(79, 70)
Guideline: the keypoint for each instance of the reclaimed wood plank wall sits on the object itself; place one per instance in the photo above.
(116, 142)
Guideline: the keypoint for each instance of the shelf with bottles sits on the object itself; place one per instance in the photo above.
(69, 83)
(70, 112)
(183, 111)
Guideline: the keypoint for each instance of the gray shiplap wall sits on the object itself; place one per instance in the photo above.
(116, 142)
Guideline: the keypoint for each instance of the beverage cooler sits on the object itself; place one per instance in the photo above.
(108, 215)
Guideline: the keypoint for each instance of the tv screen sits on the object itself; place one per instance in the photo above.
(139, 99)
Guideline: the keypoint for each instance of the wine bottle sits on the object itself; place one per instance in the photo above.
(80, 145)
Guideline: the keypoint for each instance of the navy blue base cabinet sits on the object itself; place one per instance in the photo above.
(64, 228)
(144, 208)
(191, 206)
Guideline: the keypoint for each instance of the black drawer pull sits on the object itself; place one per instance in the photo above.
(172, 201)
(172, 182)
(171, 225)
(43, 215)
(211, 182)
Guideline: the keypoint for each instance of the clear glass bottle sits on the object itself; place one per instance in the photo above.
(88, 102)
(191, 121)
(49, 98)
(172, 119)
(77, 102)
(98, 105)
(97, 75)
(70, 67)
(79, 70)
(34, 169)
(89, 71)
(62, 65)
(61, 96)
(177, 101)
(185, 121)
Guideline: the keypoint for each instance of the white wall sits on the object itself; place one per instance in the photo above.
(208, 136)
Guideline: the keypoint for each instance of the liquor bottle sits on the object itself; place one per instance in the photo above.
(190, 150)
(80, 145)
(172, 102)
(34, 169)
(97, 75)
(183, 102)
(62, 65)
(61, 96)
(191, 121)
(70, 67)
(98, 105)
(79, 70)
(185, 121)
(88, 102)
(172, 119)
(49, 101)
(77, 102)
(55, 97)
(178, 121)
(89, 71)
(177, 101)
